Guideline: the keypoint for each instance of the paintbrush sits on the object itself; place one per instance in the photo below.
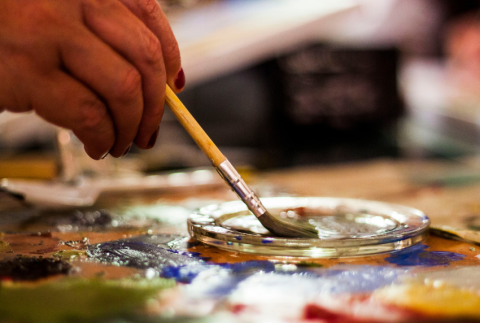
(278, 226)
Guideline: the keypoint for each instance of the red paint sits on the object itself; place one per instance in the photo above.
(315, 312)
(237, 308)
(180, 80)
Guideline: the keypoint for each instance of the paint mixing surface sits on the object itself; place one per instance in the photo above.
(346, 227)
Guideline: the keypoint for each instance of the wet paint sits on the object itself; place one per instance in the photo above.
(418, 256)
(460, 277)
(441, 301)
(79, 300)
(140, 255)
(274, 296)
(313, 312)
(187, 273)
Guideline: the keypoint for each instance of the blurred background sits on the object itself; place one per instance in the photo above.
(282, 83)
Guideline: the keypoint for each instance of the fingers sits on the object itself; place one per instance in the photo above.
(127, 35)
(112, 78)
(63, 101)
(150, 13)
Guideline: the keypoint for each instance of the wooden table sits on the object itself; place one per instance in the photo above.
(155, 274)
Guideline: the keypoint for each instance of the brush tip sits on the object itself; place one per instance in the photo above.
(286, 228)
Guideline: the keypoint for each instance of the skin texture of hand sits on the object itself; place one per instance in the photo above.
(97, 67)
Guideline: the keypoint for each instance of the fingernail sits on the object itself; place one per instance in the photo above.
(106, 154)
(127, 150)
(153, 140)
(180, 80)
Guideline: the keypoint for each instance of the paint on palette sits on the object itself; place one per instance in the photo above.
(459, 277)
(274, 296)
(167, 254)
(80, 300)
(138, 254)
(418, 256)
(31, 268)
(187, 273)
(313, 312)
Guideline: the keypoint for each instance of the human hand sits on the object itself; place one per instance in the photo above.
(97, 67)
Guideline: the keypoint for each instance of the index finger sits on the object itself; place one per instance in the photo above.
(151, 14)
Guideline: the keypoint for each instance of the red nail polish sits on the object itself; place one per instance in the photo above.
(106, 154)
(180, 80)
(153, 140)
(127, 150)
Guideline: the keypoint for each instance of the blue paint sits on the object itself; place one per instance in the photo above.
(418, 256)
(267, 240)
(249, 266)
(221, 280)
(186, 273)
(238, 238)
(190, 254)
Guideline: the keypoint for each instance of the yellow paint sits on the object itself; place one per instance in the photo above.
(5, 247)
(443, 300)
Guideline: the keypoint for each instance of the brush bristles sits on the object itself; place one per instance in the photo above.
(285, 228)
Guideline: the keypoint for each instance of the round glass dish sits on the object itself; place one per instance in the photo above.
(347, 227)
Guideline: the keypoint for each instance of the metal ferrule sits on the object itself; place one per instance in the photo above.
(233, 178)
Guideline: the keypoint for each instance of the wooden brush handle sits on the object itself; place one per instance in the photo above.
(193, 128)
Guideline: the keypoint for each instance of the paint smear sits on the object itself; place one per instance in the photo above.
(32, 268)
(418, 256)
(79, 300)
(187, 273)
(140, 255)
(459, 277)
(445, 301)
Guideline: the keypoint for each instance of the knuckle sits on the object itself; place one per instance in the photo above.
(93, 115)
(155, 116)
(95, 4)
(153, 49)
(149, 8)
(130, 86)
(171, 50)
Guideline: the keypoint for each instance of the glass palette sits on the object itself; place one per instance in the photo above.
(346, 227)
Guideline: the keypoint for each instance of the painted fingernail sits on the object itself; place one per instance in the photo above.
(180, 80)
(127, 150)
(153, 140)
(106, 154)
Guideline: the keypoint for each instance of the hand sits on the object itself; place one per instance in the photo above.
(97, 67)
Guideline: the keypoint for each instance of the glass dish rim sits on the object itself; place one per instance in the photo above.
(203, 226)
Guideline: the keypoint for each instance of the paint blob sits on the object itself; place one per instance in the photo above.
(418, 256)
(32, 268)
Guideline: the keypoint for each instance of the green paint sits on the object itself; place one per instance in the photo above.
(74, 299)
